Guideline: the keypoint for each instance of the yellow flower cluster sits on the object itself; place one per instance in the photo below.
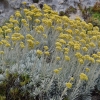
(83, 77)
(57, 70)
(22, 45)
(39, 29)
(39, 52)
(30, 43)
(69, 85)
(17, 37)
(17, 14)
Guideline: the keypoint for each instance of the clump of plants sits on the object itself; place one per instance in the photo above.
(94, 21)
(70, 10)
(46, 56)
(95, 16)
(12, 86)
(96, 7)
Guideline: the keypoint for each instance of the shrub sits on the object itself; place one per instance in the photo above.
(51, 56)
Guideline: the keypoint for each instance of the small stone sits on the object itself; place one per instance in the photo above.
(1, 77)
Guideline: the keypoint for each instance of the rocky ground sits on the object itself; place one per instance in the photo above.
(7, 7)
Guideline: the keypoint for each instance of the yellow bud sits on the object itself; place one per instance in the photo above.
(67, 58)
(71, 79)
(56, 71)
(57, 58)
(87, 69)
(44, 35)
(22, 45)
(60, 69)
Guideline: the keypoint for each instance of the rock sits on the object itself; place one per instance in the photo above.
(8, 7)
(1, 77)
(15, 4)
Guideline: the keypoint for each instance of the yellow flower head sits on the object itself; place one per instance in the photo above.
(69, 31)
(29, 17)
(67, 58)
(57, 58)
(17, 14)
(58, 48)
(44, 35)
(66, 49)
(1, 52)
(87, 69)
(71, 79)
(78, 55)
(29, 36)
(84, 49)
(98, 61)
(1, 31)
(77, 47)
(37, 20)
(58, 44)
(91, 59)
(95, 56)
(23, 21)
(62, 41)
(39, 28)
(46, 53)
(8, 31)
(39, 52)
(59, 29)
(83, 77)
(81, 61)
(87, 57)
(92, 44)
(1, 42)
(7, 45)
(4, 27)
(17, 29)
(46, 48)
(37, 42)
(22, 45)
(69, 85)
(30, 43)
(32, 6)
(56, 71)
